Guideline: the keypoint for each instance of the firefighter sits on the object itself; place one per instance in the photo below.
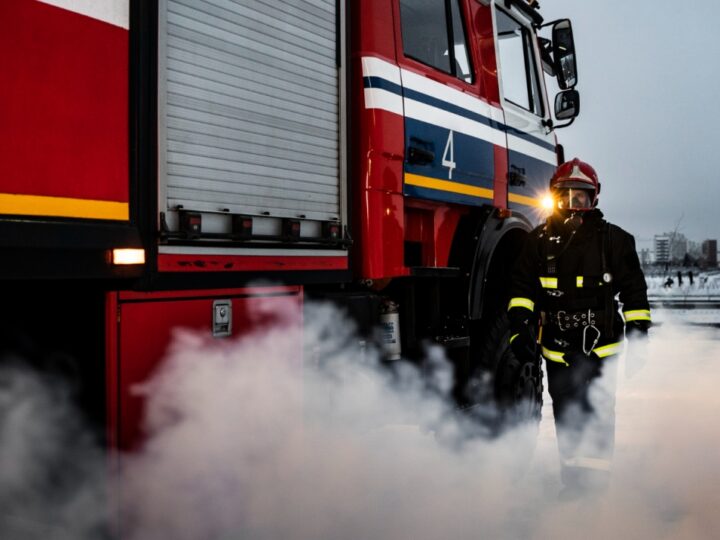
(567, 279)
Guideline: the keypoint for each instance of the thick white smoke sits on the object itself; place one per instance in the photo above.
(51, 470)
(246, 441)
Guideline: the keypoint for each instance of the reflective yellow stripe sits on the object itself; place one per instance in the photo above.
(446, 185)
(36, 205)
(554, 356)
(601, 352)
(521, 302)
(548, 282)
(597, 464)
(513, 337)
(579, 281)
(522, 199)
(608, 350)
(637, 315)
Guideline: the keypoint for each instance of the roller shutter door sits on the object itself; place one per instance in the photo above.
(249, 107)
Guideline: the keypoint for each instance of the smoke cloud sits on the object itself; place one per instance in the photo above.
(51, 468)
(261, 438)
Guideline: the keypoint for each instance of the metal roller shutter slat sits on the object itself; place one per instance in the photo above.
(250, 97)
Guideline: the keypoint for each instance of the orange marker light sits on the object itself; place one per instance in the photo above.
(128, 256)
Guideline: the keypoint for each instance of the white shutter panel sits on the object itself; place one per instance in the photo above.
(249, 94)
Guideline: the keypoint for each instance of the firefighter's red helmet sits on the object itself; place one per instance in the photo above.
(572, 176)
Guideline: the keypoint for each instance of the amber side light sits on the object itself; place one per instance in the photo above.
(128, 256)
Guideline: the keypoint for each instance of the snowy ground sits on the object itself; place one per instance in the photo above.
(705, 286)
(708, 279)
(686, 303)
(696, 315)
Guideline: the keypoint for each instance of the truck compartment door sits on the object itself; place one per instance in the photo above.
(249, 110)
(140, 329)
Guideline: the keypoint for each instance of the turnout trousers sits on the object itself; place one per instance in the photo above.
(583, 398)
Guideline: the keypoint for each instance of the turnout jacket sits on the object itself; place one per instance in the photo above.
(572, 280)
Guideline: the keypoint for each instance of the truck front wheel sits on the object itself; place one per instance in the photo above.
(501, 391)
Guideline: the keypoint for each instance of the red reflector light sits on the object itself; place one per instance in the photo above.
(191, 224)
(331, 230)
(291, 228)
(242, 226)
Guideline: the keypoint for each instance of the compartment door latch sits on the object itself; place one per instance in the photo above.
(222, 318)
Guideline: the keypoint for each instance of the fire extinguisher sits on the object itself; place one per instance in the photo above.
(390, 327)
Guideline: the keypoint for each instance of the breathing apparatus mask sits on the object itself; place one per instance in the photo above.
(570, 204)
(571, 199)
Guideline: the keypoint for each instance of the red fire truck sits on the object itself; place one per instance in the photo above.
(159, 157)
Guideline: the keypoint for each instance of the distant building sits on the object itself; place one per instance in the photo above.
(709, 252)
(662, 248)
(645, 258)
(670, 247)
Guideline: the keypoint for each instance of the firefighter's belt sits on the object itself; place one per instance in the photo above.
(575, 320)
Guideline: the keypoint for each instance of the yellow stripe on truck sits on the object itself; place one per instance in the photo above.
(37, 205)
(447, 185)
(522, 199)
(428, 182)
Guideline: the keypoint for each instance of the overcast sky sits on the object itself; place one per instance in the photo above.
(649, 83)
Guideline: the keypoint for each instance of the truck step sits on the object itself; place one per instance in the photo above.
(453, 342)
(435, 271)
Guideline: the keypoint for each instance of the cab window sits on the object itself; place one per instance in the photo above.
(433, 33)
(518, 71)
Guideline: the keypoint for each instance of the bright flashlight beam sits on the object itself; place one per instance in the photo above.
(547, 202)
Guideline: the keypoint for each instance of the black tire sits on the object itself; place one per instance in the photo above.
(502, 391)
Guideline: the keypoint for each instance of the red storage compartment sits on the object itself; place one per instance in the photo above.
(140, 329)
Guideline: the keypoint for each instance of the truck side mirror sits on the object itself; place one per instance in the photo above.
(567, 105)
(564, 54)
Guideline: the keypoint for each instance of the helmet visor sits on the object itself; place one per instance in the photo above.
(573, 199)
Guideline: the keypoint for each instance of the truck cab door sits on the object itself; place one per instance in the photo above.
(530, 144)
(450, 133)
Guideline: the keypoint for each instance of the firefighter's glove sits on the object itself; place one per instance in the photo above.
(523, 342)
(636, 356)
